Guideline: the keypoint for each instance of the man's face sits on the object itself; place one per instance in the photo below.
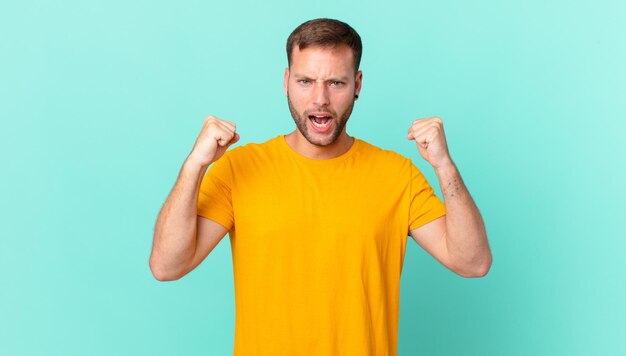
(320, 86)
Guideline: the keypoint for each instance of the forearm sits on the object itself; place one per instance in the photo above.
(175, 229)
(466, 237)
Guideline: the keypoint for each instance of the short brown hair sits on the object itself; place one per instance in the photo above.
(325, 32)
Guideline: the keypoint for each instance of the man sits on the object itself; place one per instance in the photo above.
(318, 220)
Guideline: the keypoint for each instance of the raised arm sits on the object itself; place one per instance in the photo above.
(182, 239)
(459, 239)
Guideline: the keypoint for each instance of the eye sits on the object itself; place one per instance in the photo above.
(336, 83)
(303, 81)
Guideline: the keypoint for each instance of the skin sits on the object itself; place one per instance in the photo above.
(458, 240)
(182, 239)
(319, 79)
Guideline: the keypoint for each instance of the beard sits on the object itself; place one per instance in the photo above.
(301, 123)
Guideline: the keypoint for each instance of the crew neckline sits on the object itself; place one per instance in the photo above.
(283, 141)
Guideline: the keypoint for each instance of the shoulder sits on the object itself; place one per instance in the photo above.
(253, 149)
(383, 156)
(253, 154)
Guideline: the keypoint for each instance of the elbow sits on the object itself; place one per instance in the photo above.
(160, 273)
(476, 270)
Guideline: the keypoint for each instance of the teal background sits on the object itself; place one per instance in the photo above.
(101, 101)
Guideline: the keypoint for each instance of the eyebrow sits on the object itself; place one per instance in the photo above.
(340, 79)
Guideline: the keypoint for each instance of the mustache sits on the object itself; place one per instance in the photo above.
(319, 110)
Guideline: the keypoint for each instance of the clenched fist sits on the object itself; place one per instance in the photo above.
(431, 141)
(214, 139)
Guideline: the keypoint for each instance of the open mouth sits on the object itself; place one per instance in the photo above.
(321, 121)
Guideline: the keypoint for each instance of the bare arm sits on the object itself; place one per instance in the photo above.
(182, 239)
(459, 239)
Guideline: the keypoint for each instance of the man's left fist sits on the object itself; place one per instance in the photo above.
(431, 141)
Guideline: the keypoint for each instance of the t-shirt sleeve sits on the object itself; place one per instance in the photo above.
(425, 205)
(215, 198)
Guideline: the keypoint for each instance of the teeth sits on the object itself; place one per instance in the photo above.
(321, 125)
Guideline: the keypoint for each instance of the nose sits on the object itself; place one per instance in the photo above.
(320, 94)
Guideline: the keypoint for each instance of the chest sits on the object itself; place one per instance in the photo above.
(322, 202)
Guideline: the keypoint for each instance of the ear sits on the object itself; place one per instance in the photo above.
(357, 82)
(286, 80)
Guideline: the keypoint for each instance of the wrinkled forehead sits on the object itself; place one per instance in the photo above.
(337, 58)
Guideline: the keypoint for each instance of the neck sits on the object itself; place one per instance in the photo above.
(302, 146)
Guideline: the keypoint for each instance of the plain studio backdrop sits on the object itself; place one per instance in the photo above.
(101, 101)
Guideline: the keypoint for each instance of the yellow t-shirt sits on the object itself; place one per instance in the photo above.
(317, 245)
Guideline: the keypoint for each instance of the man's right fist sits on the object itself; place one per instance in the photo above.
(214, 139)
